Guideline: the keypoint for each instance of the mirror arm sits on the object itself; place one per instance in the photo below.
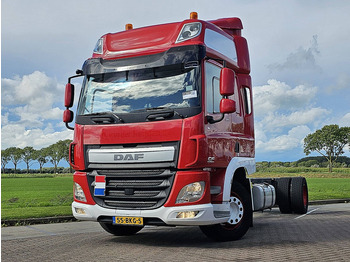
(211, 119)
(69, 127)
(78, 74)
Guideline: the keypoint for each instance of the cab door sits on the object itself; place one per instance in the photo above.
(221, 135)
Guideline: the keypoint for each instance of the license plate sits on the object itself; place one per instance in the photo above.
(128, 221)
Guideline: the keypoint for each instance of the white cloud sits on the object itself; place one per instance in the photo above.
(284, 115)
(278, 95)
(292, 140)
(28, 104)
(18, 135)
(36, 90)
(309, 116)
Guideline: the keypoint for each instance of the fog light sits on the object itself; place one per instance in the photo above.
(187, 214)
(191, 192)
(80, 211)
(79, 193)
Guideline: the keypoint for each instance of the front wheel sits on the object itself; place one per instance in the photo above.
(240, 217)
(120, 230)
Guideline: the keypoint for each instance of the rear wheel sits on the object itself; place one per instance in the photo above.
(283, 194)
(299, 195)
(120, 230)
(240, 217)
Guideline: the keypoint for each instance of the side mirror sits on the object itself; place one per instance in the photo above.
(227, 82)
(227, 106)
(69, 95)
(227, 88)
(67, 116)
(69, 99)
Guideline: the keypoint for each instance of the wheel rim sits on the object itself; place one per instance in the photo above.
(236, 211)
(305, 200)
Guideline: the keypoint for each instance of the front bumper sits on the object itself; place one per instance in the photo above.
(166, 214)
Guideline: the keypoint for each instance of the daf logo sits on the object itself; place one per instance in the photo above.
(128, 157)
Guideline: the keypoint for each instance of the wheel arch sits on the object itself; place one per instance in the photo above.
(237, 171)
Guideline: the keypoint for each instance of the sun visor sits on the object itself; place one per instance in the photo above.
(175, 55)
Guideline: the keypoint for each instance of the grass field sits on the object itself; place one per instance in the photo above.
(23, 197)
(51, 195)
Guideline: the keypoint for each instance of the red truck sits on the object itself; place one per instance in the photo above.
(164, 133)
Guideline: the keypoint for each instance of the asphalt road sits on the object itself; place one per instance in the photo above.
(321, 235)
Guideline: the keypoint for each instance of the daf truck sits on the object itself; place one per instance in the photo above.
(164, 132)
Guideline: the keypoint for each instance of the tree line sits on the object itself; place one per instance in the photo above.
(313, 161)
(53, 154)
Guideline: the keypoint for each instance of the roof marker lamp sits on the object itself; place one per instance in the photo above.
(191, 192)
(128, 26)
(189, 31)
(193, 15)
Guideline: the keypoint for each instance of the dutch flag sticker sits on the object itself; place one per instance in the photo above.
(100, 185)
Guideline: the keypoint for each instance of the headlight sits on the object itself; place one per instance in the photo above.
(99, 47)
(189, 31)
(79, 193)
(191, 192)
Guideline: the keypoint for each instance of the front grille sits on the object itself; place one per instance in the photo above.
(133, 189)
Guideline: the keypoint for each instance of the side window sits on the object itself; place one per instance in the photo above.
(212, 82)
(246, 100)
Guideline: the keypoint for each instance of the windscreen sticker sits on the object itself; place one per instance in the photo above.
(189, 88)
(189, 94)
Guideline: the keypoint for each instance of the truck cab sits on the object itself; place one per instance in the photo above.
(164, 130)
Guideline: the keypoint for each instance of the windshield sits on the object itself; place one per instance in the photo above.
(138, 90)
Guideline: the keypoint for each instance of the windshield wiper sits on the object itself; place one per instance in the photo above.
(161, 113)
(105, 118)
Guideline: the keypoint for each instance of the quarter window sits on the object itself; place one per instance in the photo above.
(246, 100)
(212, 79)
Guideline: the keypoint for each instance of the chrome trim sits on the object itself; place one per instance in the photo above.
(131, 155)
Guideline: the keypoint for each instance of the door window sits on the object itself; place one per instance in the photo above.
(212, 81)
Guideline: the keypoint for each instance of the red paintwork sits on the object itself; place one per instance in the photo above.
(217, 178)
(80, 178)
(198, 139)
(144, 41)
(146, 132)
(184, 178)
(78, 148)
(193, 143)
(243, 57)
(232, 26)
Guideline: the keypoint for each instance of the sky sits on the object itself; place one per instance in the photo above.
(299, 52)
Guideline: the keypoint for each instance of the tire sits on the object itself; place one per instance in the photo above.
(239, 221)
(120, 230)
(299, 195)
(283, 195)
